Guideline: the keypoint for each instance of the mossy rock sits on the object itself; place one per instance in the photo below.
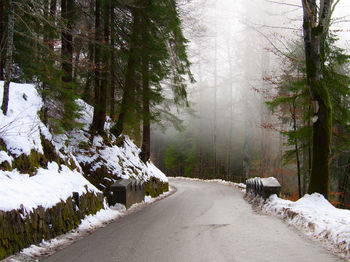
(155, 187)
(17, 233)
(5, 166)
(29, 164)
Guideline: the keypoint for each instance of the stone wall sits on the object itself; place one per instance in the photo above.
(18, 230)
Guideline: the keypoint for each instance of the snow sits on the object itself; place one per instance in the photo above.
(123, 162)
(47, 188)
(20, 128)
(5, 157)
(217, 181)
(316, 217)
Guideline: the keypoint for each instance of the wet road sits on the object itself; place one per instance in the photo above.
(200, 222)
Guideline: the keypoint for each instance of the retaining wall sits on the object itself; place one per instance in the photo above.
(18, 230)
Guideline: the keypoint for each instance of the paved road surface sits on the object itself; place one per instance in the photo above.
(200, 222)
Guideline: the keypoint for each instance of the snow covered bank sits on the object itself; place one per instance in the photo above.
(315, 216)
(46, 189)
(117, 158)
(21, 132)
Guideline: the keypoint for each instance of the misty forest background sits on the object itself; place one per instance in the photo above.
(206, 88)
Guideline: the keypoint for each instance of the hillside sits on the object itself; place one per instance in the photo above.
(50, 182)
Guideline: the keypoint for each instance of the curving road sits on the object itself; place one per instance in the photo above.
(200, 222)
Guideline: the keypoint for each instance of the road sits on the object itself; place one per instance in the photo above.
(200, 222)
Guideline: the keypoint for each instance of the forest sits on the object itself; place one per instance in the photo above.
(207, 89)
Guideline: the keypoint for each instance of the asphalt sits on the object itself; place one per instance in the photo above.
(200, 222)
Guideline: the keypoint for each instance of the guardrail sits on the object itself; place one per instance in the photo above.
(263, 187)
(126, 192)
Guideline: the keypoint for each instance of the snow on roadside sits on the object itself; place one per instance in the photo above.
(316, 217)
(217, 181)
(88, 224)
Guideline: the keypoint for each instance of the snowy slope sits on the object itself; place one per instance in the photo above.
(20, 131)
(121, 161)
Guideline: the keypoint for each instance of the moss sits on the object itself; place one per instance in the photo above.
(29, 164)
(119, 141)
(49, 150)
(3, 145)
(154, 187)
(17, 233)
(5, 166)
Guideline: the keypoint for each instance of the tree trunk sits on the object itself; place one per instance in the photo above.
(67, 40)
(97, 116)
(296, 148)
(314, 37)
(91, 54)
(104, 81)
(130, 83)
(146, 125)
(112, 71)
(9, 53)
(345, 187)
(146, 130)
(2, 39)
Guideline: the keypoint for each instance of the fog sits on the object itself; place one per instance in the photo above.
(234, 46)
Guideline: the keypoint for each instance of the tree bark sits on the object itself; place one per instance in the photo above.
(87, 93)
(67, 7)
(9, 53)
(130, 82)
(293, 111)
(97, 116)
(146, 125)
(112, 71)
(2, 39)
(314, 37)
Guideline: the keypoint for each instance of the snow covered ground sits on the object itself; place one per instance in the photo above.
(90, 223)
